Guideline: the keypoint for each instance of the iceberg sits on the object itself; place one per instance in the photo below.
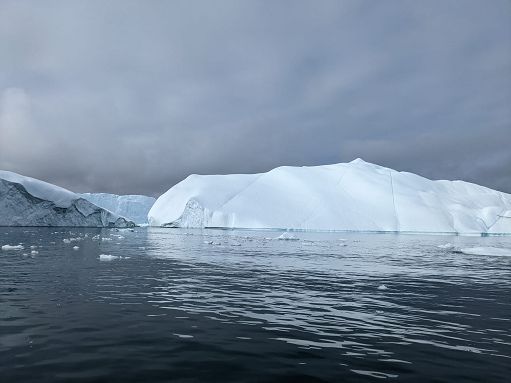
(132, 207)
(26, 201)
(354, 196)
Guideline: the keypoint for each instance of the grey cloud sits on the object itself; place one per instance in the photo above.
(132, 96)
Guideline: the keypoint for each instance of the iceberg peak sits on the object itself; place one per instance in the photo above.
(358, 160)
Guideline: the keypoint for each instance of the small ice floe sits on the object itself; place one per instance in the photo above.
(184, 336)
(491, 251)
(66, 240)
(33, 247)
(287, 237)
(12, 247)
(211, 243)
(76, 247)
(446, 246)
(95, 238)
(108, 257)
(34, 252)
(382, 287)
(106, 239)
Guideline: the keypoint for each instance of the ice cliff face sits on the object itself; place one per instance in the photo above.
(25, 201)
(354, 196)
(132, 207)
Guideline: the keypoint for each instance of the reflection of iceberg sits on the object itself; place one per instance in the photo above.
(26, 201)
(355, 196)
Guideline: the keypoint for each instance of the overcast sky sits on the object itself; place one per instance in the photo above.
(132, 96)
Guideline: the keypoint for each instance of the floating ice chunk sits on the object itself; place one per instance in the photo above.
(184, 336)
(211, 243)
(95, 238)
(106, 239)
(66, 240)
(75, 248)
(446, 246)
(9, 247)
(108, 257)
(382, 287)
(34, 252)
(287, 237)
(493, 251)
(33, 247)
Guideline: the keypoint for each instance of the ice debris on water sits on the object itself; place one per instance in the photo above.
(211, 243)
(382, 287)
(75, 248)
(490, 251)
(108, 257)
(446, 246)
(12, 247)
(287, 237)
(34, 252)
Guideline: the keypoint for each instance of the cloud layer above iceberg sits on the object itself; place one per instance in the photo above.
(127, 97)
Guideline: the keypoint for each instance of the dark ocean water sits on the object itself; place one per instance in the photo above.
(240, 306)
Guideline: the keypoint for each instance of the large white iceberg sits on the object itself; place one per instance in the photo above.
(132, 207)
(354, 196)
(26, 201)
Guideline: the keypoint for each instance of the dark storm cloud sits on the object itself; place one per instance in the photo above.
(132, 96)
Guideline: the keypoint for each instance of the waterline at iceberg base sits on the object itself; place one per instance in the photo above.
(354, 196)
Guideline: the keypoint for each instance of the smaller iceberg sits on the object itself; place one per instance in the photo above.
(26, 201)
(132, 207)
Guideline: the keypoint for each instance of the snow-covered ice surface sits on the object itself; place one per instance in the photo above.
(26, 201)
(132, 207)
(354, 196)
